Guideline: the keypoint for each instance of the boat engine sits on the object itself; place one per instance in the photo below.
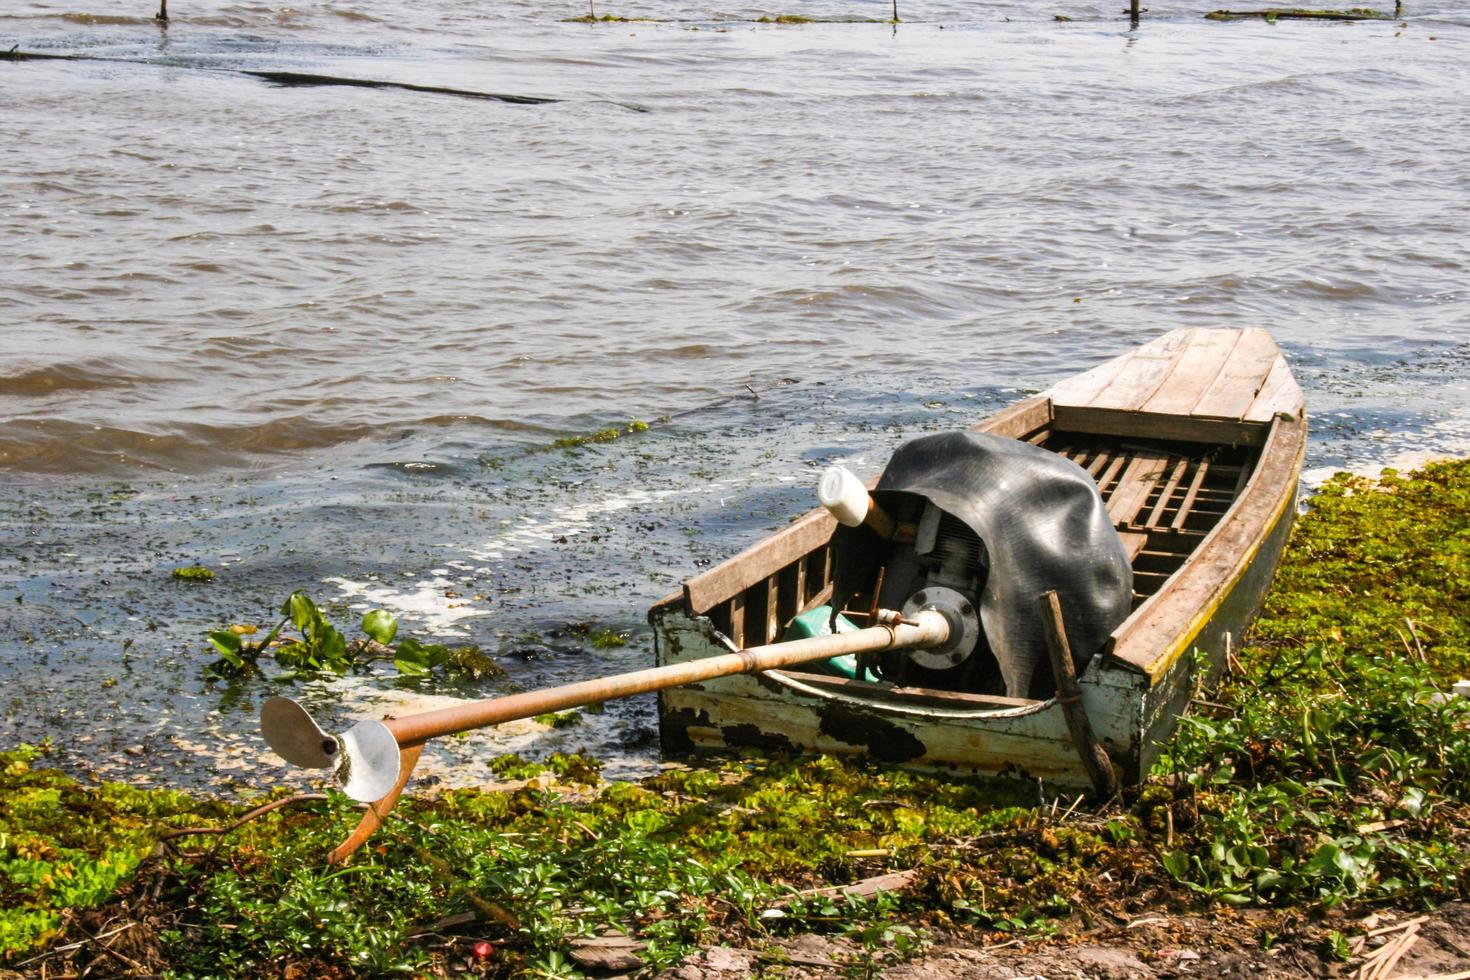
(978, 527)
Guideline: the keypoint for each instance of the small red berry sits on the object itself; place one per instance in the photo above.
(483, 950)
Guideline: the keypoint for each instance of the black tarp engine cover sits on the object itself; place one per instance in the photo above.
(1043, 526)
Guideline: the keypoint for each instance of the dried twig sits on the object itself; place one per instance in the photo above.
(259, 811)
(1211, 704)
(1417, 645)
(127, 961)
(1405, 641)
(444, 873)
(1378, 963)
(461, 919)
(69, 947)
(1399, 927)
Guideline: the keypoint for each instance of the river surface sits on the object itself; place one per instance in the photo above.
(325, 338)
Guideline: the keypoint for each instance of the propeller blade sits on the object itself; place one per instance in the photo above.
(292, 735)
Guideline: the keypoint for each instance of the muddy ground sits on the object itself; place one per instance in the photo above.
(1227, 943)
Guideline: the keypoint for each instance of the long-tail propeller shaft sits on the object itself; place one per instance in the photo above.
(373, 759)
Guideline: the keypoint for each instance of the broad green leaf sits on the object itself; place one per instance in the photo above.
(225, 642)
(302, 610)
(380, 625)
(334, 644)
(1413, 801)
(410, 668)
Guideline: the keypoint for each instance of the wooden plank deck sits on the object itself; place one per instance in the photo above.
(1210, 376)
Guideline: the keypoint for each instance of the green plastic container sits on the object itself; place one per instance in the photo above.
(816, 622)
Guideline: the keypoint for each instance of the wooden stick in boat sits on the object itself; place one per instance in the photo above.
(1069, 696)
(287, 724)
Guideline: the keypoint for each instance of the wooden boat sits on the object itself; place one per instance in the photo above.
(1195, 441)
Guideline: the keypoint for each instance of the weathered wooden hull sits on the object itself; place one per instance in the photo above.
(1136, 687)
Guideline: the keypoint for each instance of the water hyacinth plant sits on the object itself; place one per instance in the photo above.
(320, 648)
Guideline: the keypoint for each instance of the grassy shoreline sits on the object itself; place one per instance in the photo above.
(1329, 773)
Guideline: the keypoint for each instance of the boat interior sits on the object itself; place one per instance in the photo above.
(1171, 433)
(1163, 497)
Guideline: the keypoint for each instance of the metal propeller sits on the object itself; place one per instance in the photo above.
(364, 758)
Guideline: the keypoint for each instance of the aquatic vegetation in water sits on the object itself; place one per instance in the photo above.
(194, 573)
(801, 19)
(565, 719)
(321, 648)
(603, 435)
(1297, 13)
(604, 19)
(1330, 769)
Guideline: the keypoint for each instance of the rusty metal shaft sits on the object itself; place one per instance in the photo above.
(927, 628)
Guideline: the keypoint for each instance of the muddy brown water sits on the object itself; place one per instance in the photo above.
(319, 337)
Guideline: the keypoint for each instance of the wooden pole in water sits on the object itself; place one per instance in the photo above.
(162, 15)
(1069, 695)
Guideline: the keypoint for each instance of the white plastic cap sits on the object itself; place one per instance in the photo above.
(844, 495)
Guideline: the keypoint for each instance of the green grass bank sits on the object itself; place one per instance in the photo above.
(1329, 772)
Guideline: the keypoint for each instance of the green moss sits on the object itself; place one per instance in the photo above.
(194, 573)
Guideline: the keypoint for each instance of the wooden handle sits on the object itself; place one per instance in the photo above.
(1069, 695)
(931, 629)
